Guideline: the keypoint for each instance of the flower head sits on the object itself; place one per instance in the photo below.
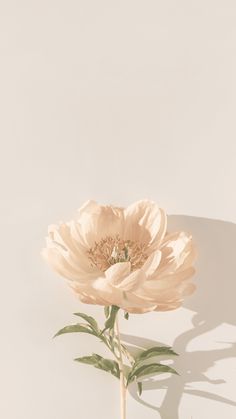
(123, 257)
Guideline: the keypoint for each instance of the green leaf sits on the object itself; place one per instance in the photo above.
(75, 328)
(90, 360)
(126, 315)
(90, 320)
(150, 369)
(154, 351)
(109, 324)
(140, 388)
(101, 363)
(107, 311)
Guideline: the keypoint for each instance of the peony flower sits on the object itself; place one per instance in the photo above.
(123, 257)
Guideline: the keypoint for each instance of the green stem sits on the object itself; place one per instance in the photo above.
(105, 340)
(122, 374)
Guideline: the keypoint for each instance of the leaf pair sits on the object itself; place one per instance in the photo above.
(101, 363)
(141, 368)
(91, 327)
(154, 368)
(154, 351)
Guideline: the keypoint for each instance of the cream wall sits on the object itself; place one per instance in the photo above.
(116, 101)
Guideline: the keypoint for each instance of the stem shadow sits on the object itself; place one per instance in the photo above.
(213, 304)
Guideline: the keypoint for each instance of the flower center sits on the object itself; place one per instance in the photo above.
(111, 250)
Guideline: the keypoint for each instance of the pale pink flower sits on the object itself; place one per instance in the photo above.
(123, 257)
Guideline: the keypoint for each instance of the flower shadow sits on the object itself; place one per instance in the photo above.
(213, 304)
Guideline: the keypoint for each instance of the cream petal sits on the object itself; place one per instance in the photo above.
(139, 310)
(177, 252)
(97, 221)
(88, 300)
(59, 263)
(190, 257)
(152, 263)
(117, 272)
(88, 297)
(105, 290)
(171, 278)
(135, 304)
(167, 296)
(77, 236)
(186, 289)
(145, 222)
(154, 287)
(168, 307)
(60, 238)
(133, 280)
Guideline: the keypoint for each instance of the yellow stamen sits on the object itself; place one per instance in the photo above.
(111, 250)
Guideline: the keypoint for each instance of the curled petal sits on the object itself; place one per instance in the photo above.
(133, 280)
(59, 263)
(96, 221)
(187, 289)
(117, 272)
(89, 298)
(154, 288)
(152, 263)
(135, 304)
(63, 250)
(168, 307)
(103, 289)
(177, 253)
(145, 222)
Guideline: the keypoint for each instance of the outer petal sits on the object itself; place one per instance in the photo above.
(145, 222)
(96, 222)
(154, 288)
(61, 236)
(151, 265)
(103, 289)
(168, 307)
(119, 275)
(133, 281)
(177, 253)
(59, 263)
(88, 297)
(66, 256)
(135, 304)
(117, 272)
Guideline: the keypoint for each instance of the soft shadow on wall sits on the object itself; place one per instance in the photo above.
(213, 303)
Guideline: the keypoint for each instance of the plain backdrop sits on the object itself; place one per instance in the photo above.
(116, 101)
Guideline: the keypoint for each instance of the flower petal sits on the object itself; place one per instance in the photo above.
(58, 262)
(88, 297)
(135, 304)
(152, 263)
(117, 272)
(103, 289)
(66, 256)
(133, 280)
(61, 236)
(145, 222)
(97, 221)
(177, 253)
(153, 288)
(168, 307)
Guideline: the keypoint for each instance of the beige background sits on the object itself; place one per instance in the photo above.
(116, 101)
